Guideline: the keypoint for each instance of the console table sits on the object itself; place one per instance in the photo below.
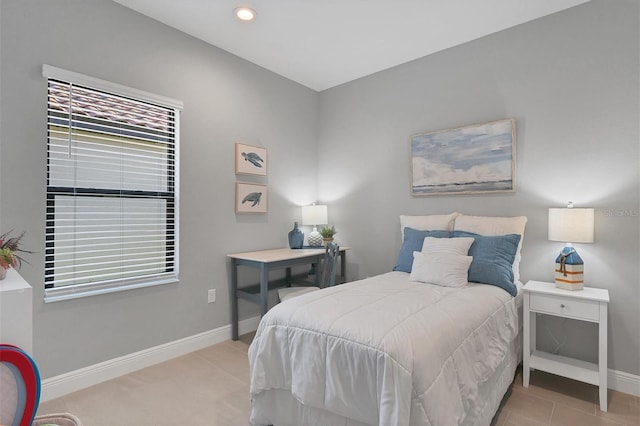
(265, 261)
(16, 312)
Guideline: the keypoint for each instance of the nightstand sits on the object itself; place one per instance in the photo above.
(589, 304)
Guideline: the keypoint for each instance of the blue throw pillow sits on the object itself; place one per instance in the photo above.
(492, 259)
(413, 240)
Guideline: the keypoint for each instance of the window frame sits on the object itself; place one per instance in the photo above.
(52, 294)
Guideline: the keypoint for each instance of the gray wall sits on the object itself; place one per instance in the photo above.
(226, 100)
(571, 82)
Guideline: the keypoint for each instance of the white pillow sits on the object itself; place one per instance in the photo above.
(434, 222)
(459, 246)
(448, 270)
(490, 225)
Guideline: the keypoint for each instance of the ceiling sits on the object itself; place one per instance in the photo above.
(324, 43)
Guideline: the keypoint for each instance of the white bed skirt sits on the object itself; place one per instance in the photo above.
(275, 402)
(290, 412)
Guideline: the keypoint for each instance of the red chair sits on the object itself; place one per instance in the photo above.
(20, 384)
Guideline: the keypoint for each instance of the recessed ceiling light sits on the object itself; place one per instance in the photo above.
(244, 13)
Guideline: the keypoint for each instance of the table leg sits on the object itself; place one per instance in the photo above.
(264, 289)
(288, 276)
(343, 265)
(234, 300)
(318, 267)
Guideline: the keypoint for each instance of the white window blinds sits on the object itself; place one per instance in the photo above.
(111, 188)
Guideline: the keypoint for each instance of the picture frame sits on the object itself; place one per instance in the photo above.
(250, 160)
(251, 198)
(479, 158)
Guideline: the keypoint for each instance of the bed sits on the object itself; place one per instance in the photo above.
(413, 346)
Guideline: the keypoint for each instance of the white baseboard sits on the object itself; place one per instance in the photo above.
(623, 382)
(57, 386)
(72, 381)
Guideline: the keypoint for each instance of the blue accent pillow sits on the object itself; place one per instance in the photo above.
(413, 240)
(492, 259)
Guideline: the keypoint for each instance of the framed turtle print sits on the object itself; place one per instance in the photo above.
(251, 198)
(251, 160)
(466, 160)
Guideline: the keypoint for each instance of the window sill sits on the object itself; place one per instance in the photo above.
(60, 294)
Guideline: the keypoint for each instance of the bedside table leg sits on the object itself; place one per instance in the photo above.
(526, 340)
(602, 356)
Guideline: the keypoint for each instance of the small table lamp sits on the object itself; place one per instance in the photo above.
(570, 225)
(314, 215)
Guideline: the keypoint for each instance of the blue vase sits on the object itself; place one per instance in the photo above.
(296, 237)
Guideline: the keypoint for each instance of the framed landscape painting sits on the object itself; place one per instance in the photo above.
(251, 198)
(465, 160)
(251, 160)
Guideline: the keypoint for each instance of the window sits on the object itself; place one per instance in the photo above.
(112, 210)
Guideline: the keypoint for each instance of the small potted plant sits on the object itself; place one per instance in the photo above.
(9, 249)
(327, 233)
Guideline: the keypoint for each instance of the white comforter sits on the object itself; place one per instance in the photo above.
(385, 351)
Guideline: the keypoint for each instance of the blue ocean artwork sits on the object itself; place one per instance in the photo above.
(478, 158)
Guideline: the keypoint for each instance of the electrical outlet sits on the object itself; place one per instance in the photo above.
(211, 296)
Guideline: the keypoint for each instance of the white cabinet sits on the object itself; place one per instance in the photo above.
(16, 312)
(589, 304)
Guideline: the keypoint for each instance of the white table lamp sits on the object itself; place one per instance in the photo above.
(314, 215)
(570, 225)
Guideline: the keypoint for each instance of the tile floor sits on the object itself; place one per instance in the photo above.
(211, 387)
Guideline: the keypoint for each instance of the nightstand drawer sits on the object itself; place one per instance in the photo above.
(566, 307)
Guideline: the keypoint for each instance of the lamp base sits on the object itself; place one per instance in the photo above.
(315, 239)
(569, 270)
(569, 286)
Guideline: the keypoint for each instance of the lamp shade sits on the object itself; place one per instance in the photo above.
(571, 225)
(314, 215)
